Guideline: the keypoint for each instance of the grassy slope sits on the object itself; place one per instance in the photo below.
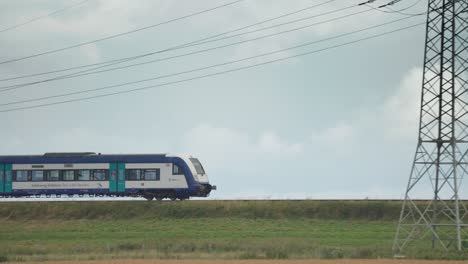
(198, 229)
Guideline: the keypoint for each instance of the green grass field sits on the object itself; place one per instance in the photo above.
(200, 229)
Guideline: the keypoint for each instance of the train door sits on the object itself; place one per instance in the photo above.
(7, 179)
(121, 177)
(117, 178)
(2, 171)
(113, 177)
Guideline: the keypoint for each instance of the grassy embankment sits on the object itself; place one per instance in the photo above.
(200, 229)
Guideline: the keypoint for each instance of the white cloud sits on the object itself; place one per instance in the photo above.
(215, 143)
(81, 139)
(366, 193)
(271, 143)
(355, 193)
(92, 19)
(260, 195)
(338, 139)
(338, 133)
(401, 111)
(220, 145)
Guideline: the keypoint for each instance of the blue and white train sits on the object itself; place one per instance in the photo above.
(152, 176)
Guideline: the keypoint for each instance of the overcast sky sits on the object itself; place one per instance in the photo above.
(341, 123)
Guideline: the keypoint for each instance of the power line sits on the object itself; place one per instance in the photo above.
(265, 21)
(78, 74)
(401, 11)
(44, 16)
(223, 64)
(195, 43)
(181, 46)
(212, 74)
(122, 34)
(393, 2)
(393, 12)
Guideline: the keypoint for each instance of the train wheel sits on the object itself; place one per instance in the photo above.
(148, 197)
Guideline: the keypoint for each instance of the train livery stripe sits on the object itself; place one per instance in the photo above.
(2, 171)
(8, 177)
(121, 177)
(82, 186)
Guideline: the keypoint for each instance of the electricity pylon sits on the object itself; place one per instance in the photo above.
(441, 159)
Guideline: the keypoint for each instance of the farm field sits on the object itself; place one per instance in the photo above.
(83, 231)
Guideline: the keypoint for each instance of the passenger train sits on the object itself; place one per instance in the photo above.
(152, 176)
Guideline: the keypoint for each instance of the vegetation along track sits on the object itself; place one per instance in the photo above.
(83, 231)
(340, 261)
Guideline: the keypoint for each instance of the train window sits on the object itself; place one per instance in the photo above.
(152, 175)
(68, 175)
(53, 175)
(37, 175)
(83, 175)
(133, 175)
(198, 167)
(177, 170)
(100, 175)
(21, 175)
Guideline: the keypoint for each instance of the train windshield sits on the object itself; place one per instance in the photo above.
(198, 166)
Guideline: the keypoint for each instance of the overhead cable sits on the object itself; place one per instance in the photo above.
(390, 3)
(181, 46)
(400, 11)
(88, 72)
(221, 64)
(42, 17)
(212, 74)
(121, 34)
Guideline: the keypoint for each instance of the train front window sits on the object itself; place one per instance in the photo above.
(198, 167)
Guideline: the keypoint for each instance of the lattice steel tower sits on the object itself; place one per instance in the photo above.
(441, 159)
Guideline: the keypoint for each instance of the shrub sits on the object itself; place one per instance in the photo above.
(249, 255)
(331, 253)
(129, 246)
(277, 254)
(364, 252)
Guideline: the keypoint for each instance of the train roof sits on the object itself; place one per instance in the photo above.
(83, 157)
(83, 154)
